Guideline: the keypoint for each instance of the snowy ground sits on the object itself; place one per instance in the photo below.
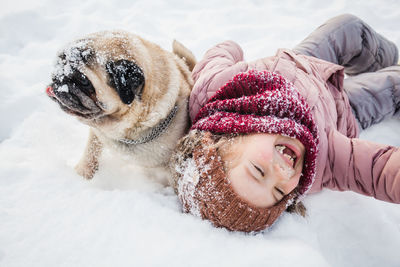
(49, 216)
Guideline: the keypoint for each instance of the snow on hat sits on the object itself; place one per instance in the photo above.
(252, 102)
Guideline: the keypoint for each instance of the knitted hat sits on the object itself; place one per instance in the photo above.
(252, 102)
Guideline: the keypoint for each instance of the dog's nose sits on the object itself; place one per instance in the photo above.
(127, 78)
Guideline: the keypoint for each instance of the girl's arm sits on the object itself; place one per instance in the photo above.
(218, 66)
(364, 167)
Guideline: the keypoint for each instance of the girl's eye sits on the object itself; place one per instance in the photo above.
(280, 191)
(259, 170)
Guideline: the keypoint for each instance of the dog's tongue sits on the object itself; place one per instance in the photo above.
(49, 91)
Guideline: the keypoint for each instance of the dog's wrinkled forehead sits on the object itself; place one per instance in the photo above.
(111, 54)
(73, 58)
(98, 48)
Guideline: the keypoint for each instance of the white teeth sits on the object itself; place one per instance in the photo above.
(289, 157)
(280, 149)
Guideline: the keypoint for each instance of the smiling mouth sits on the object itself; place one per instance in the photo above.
(288, 154)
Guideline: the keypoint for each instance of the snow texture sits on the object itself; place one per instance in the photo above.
(49, 216)
(73, 59)
(187, 185)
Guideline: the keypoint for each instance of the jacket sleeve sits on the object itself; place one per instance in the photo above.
(218, 66)
(364, 167)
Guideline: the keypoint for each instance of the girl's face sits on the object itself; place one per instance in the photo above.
(263, 168)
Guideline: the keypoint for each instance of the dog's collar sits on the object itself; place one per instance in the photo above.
(155, 131)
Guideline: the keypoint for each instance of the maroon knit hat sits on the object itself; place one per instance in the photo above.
(252, 102)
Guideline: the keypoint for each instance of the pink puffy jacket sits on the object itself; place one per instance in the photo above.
(344, 162)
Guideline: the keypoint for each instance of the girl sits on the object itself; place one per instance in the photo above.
(266, 133)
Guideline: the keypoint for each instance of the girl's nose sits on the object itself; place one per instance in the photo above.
(285, 181)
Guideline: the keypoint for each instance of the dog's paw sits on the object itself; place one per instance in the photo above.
(85, 170)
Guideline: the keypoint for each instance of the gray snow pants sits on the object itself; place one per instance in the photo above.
(368, 58)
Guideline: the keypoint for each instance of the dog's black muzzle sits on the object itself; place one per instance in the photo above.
(76, 95)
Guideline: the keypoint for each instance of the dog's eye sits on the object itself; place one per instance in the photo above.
(81, 80)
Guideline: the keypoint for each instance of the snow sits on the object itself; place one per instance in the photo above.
(187, 185)
(63, 88)
(49, 216)
(73, 60)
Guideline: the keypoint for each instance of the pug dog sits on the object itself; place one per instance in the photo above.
(130, 92)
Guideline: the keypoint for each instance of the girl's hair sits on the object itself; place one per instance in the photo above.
(222, 143)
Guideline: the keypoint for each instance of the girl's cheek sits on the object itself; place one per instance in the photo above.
(266, 156)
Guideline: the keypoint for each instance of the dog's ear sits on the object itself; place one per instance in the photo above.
(181, 51)
(126, 78)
